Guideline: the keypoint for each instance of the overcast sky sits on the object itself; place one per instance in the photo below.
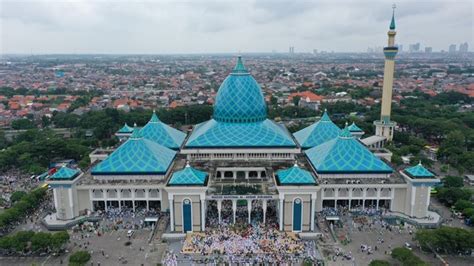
(193, 26)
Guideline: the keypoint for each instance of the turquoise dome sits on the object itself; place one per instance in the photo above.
(240, 98)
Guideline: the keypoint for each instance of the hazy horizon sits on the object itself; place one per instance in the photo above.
(227, 27)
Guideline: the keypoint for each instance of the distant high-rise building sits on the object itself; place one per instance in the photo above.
(400, 48)
(464, 47)
(414, 48)
(291, 50)
(315, 51)
(452, 48)
(428, 49)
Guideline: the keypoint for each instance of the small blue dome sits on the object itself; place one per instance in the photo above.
(240, 99)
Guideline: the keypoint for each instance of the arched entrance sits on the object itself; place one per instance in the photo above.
(187, 216)
(297, 214)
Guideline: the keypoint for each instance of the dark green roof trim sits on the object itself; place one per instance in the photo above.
(392, 23)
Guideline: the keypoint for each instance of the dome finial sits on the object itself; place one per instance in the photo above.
(154, 117)
(392, 23)
(239, 67)
(136, 134)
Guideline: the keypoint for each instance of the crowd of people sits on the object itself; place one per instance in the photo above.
(126, 218)
(254, 243)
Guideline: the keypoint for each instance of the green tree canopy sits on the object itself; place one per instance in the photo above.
(22, 123)
(79, 258)
(453, 181)
(449, 240)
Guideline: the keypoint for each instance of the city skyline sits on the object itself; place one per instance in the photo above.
(40, 27)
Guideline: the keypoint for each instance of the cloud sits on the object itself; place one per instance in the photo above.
(186, 26)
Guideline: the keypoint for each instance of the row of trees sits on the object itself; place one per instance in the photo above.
(27, 204)
(37, 242)
(447, 240)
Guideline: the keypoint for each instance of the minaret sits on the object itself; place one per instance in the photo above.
(384, 127)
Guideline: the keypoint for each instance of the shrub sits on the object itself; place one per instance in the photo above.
(79, 258)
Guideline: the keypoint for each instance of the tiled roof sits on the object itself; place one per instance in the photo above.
(136, 156)
(65, 173)
(354, 128)
(162, 134)
(345, 154)
(125, 129)
(240, 98)
(188, 176)
(215, 134)
(295, 176)
(317, 133)
(418, 171)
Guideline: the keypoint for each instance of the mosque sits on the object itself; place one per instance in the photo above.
(242, 164)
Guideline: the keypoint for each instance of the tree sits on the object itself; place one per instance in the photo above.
(79, 258)
(22, 123)
(406, 257)
(379, 263)
(449, 240)
(17, 195)
(461, 204)
(59, 239)
(453, 181)
(41, 241)
(296, 100)
(450, 196)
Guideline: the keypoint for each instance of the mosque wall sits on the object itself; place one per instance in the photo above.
(288, 211)
(164, 200)
(83, 200)
(66, 209)
(422, 197)
(399, 200)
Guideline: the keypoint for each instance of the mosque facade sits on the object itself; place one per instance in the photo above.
(240, 166)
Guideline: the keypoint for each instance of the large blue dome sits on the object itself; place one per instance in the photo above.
(240, 99)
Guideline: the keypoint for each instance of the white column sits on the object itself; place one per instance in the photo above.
(219, 208)
(234, 208)
(120, 205)
(234, 173)
(56, 201)
(313, 205)
(133, 199)
(259, 174)
(413, 193)
(392, 197)
(203, 214)
(249, 209)
(171, 207)
(364, 194)
(91, 200)
(264, 206)
(281, 214)
(246, 174)
(147, 197)
(378, 199)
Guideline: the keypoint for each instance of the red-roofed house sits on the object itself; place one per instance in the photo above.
(307, 99)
